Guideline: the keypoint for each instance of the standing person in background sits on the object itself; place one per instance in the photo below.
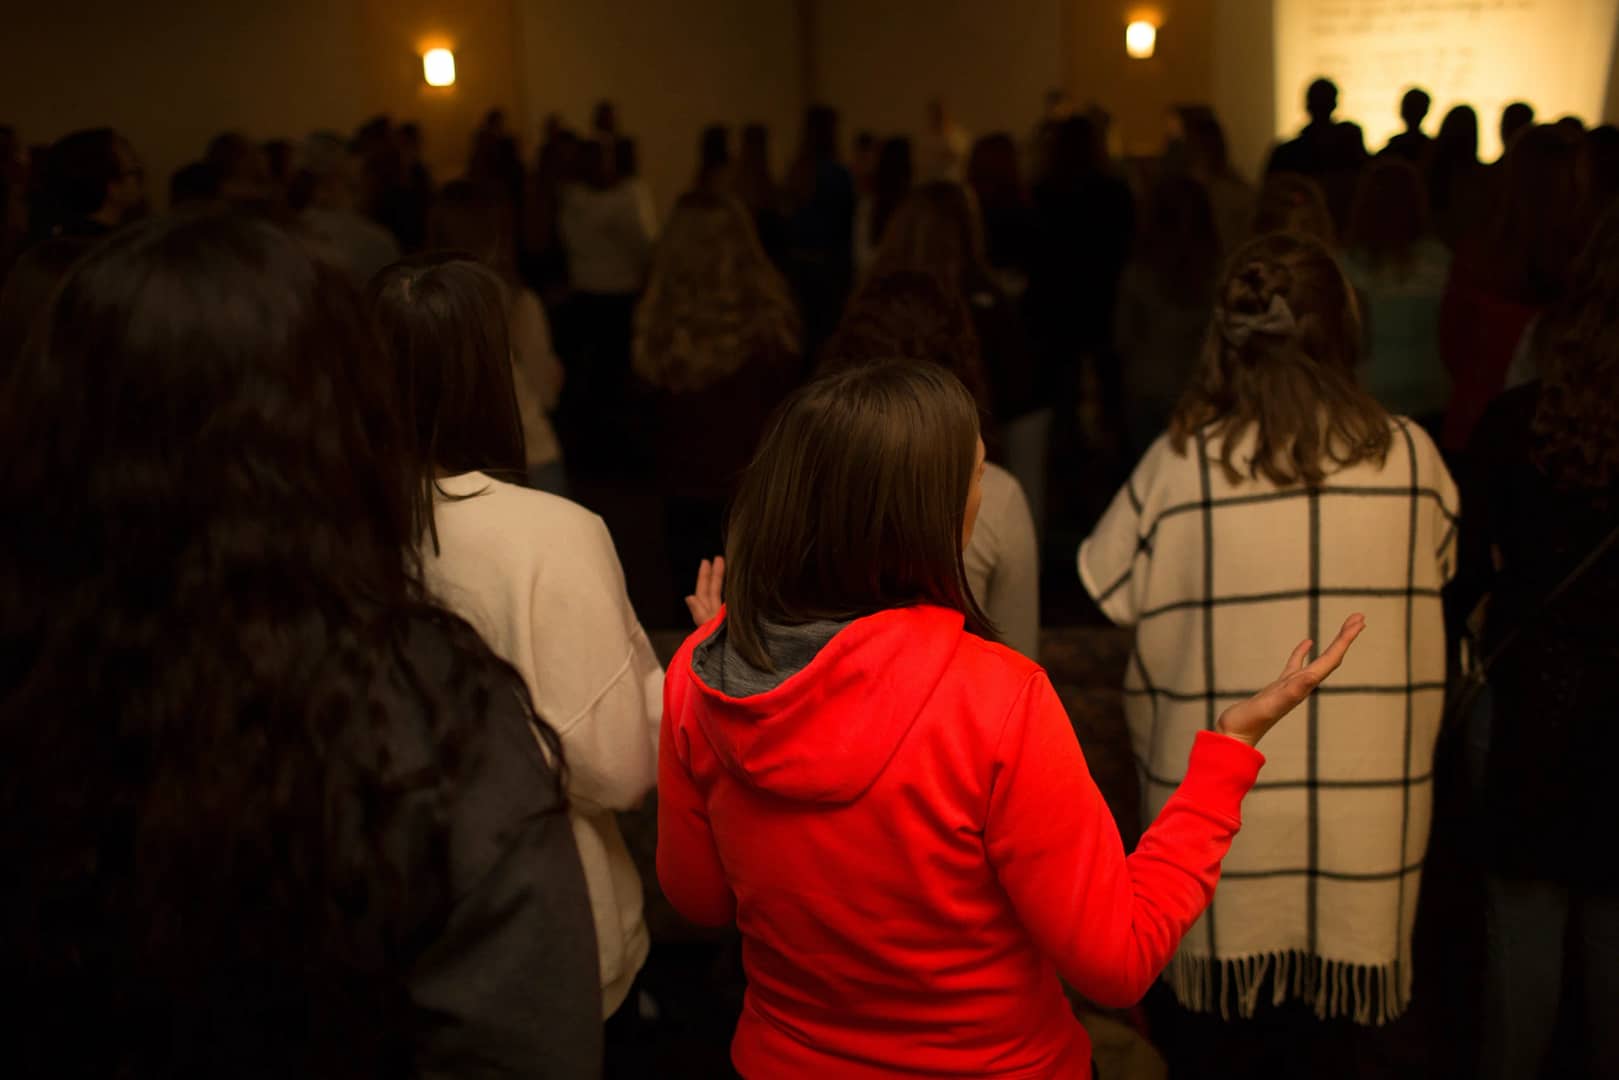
(1165, 299)
(1208, 161)
(472, 219)
(863, 162)
(1545, 496)
(944, 146)
(1412, 144)
(1508, 269)
(916, 314)
(820, 227)
(1010, 230)
(292, 816)
(544, 258)
(415, 193)
(607, 228)
(1328, 151)
(1283, 493)
(713, 161)
(1292, 203)
(1458, 195)
(537, 575)
(241, 166)
(950, 853)
(329, 184)
(92, 183)
(718, 340)
(757, 188)
(1399, 269)
(1087, 218)
(889, 186)
(1519, 116)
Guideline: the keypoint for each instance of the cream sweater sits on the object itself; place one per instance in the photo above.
(539, 578)
(1003, 562)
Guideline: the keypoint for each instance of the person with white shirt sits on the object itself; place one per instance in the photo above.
(537, 575)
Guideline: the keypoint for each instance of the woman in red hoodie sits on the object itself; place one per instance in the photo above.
(894, 809)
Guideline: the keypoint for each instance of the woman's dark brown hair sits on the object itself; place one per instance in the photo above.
(1280, 357)
(443, 324)
(1540, 219)
(1390, 213)
(1576, 350)
(855, 503)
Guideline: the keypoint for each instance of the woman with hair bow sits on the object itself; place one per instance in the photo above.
(1283, 495)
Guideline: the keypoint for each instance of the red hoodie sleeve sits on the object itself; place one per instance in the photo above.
(1110, 923)
(689, 868)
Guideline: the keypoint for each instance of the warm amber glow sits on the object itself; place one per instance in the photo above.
(438, 67)
(1140, 38)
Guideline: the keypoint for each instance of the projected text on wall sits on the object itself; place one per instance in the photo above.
(1553, 54)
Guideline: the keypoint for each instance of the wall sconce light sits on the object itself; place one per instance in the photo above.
(438, 67)
(1140, 38)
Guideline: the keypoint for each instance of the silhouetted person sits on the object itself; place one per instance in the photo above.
(240, 164)
(1200, 150)
(1458, 191)
(193, 185)
(863, 163)
(331, 178)
(92, 184)
(1328, 151)
(996, 178)
(1412, 144)
(944, 146)
(281, 157)
(890, 185)
(1292, 203)
(820, 228)
(713, 161)
(1515, 118)
(1602, 155)
(757, 188)
(604, 121)
(494, 159)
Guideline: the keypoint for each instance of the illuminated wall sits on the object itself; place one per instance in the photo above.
(1554, 54)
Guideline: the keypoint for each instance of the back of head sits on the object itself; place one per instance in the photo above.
(713, 301)
(78, 169)
(28, 289)
(1280, 360)
(443, 323)
(193, 185)
(1289, 202)
(1178, 239)
(1457, 141)
(714, 147)
(1414, 106)
(1074, 153)
(855, 503)
(936, 230)
(240, 164)
(910, 314)
(472, 217)
(1576, 351)
(993, 171)
(1515, 118)
(1321, 100)
(1540, 217)
(1390, 212)
(1205, 140)
(204, 568)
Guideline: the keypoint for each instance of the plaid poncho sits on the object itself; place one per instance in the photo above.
(1222, 580)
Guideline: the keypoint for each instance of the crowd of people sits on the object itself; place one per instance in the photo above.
(321, 688)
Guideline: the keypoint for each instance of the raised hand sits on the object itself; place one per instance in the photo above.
(704, 604)
(1250, 720)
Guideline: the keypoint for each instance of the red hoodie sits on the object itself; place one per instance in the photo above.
(908, 838)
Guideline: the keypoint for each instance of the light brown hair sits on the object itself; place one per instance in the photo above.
(714, 302)
(1295, 385)
(855, 503)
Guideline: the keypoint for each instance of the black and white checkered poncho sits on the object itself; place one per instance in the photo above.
(1318, 894)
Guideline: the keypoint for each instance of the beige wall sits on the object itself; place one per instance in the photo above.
(671, 68)
(880, 62)
(170, 74)
(1138, 93)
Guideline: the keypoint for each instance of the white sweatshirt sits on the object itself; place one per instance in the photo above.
(539, 578)
(1003, 562)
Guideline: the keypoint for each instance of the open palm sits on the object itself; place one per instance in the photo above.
(1251, 719)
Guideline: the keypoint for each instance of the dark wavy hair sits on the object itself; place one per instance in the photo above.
(1576, 350)
(1296, 385)
(208, 591)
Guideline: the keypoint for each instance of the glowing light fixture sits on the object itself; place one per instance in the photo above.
(1140, 38)
(438, 67)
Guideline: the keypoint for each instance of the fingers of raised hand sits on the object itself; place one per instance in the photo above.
(1295, 663)
(1329, 661)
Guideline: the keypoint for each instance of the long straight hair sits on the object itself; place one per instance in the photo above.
(443, 321)
(855, 503)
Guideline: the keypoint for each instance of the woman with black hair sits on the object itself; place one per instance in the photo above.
(267, 809)
(536, 574)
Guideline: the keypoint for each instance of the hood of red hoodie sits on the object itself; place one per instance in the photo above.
(829, 729)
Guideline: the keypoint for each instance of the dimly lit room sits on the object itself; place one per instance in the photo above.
(809, 539)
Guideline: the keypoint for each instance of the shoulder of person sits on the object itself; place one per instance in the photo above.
(527, 515)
